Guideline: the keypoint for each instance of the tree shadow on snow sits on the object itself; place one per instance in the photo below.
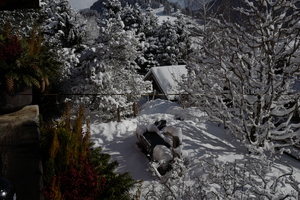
(130, 157)
(200, 138)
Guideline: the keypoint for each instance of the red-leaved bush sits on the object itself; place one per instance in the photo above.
(10, 49)
(80, 182)
(77, 182)
(75, 171)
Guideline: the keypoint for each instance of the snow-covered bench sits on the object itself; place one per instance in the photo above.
(155, 144)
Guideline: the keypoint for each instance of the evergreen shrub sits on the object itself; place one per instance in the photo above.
(74, 170)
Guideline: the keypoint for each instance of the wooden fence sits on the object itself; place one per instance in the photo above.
(134, 111)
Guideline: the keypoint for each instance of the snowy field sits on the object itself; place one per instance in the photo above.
(200, 139)
(161, 17)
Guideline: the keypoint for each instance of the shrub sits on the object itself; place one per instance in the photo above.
(72, 169)
(25, 61)
(251, 177)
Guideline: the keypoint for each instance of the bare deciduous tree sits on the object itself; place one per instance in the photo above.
(246, 73)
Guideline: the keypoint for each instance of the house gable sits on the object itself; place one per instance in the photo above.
(165, 79)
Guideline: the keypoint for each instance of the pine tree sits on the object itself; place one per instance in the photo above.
(151, 22)
(174, 42)
(184, 39)
(149, 42)
(167, 8)
(63, 24)
(133, 18)
(168, 38)
(112, 7)
(108, 69)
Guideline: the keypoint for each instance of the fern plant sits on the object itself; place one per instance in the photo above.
(25, 62)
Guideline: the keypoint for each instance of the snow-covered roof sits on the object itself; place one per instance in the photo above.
(167, 77)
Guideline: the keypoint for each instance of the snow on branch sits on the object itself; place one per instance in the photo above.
(248, 73)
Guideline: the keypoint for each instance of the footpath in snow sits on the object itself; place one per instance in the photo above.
(200, 138)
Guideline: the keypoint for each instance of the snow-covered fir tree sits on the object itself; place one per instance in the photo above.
(65, 30)
(111, 8)
(150, 22)
(91, 27)
(246, 74)
(63, 23)
(167, 8)
(174, 42)
(133, 18)
(147, 60)
(62, 29)
(107, 76)
(184, 40)
(169, 44)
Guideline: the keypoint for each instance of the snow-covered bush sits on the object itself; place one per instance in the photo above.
(246, 74)
(62, 24)
(210, 178)
(105, 91)
(170, 186)
(169, 44)
(161, 153)
(107, 77)
(247, 180)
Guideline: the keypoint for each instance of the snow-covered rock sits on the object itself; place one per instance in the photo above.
(174, 131)
(178, 151)
(152, 128)
(162, 153)
(177, 111)
(140, 129)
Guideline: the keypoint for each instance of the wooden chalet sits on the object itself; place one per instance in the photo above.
(165, 81)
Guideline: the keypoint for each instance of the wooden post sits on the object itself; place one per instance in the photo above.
(135, 110)
(118, 114)
(154, 91)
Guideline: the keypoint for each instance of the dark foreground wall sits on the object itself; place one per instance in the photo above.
(19, 152)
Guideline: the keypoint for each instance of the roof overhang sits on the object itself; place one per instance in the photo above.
(167, 78)
(18, 4)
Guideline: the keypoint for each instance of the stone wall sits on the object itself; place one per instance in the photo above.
(20, 161)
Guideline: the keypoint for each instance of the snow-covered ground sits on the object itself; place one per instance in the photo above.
(200, 138)
(202, 141)
(161, 17)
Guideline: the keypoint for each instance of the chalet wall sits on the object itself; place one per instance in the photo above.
(20, 161)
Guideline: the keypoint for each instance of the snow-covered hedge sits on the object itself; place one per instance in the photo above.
(212, 179)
